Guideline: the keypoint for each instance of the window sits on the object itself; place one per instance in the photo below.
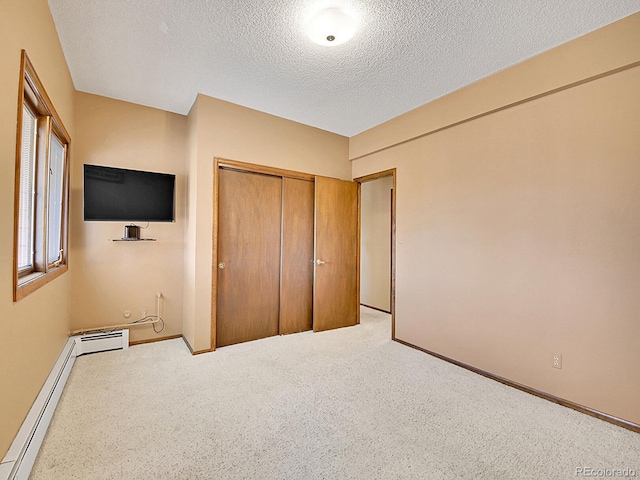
(42, 186)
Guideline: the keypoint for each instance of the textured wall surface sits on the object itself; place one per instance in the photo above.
(375, 243)
(233, 132)
(33, 330)
(109, 278)
(518, 238)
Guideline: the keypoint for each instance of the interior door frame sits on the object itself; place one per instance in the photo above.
(369, 178)
(242, 167)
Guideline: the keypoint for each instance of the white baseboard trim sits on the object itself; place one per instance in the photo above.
(17, 463)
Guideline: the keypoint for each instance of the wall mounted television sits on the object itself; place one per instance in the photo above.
(120, 195)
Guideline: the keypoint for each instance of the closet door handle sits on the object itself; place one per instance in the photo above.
(320, 262)
(221, 265)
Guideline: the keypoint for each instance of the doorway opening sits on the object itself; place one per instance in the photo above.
(377, 241)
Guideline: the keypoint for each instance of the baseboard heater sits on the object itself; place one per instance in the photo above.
(17, 463)
(101, 342)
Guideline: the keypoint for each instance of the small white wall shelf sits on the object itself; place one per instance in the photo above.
(132, 239)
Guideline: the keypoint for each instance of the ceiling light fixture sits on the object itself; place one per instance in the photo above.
(331, 27)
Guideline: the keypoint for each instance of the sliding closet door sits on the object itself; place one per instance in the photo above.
(336, 271)
(249, 212)
(296, 301)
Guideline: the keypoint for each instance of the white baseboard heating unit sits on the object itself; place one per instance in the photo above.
(17, 463)
(101, 342)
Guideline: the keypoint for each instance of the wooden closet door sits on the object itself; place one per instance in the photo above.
(296, 296)
(249, 216)
(335, 302)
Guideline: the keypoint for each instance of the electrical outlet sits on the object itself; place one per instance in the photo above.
(143, 313)
(557, 361)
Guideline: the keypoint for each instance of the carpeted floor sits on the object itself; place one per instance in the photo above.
(344, 404)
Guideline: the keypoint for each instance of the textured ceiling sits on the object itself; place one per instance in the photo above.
(162, 53)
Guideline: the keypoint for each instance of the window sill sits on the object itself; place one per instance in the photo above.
(30, 283)
(29, 278)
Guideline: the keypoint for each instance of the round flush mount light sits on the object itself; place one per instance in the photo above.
(331, 27)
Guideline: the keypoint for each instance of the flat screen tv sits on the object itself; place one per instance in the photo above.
(120, 195)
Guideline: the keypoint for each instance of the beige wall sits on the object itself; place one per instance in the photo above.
(230, 131)
(108, 278)
(600, 51)
(33, 330)
(518, 233)
(375, 243)
(190, 259)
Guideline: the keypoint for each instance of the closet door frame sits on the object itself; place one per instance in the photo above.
(242, 167)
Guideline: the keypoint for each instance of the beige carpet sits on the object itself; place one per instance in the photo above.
(344, 404)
